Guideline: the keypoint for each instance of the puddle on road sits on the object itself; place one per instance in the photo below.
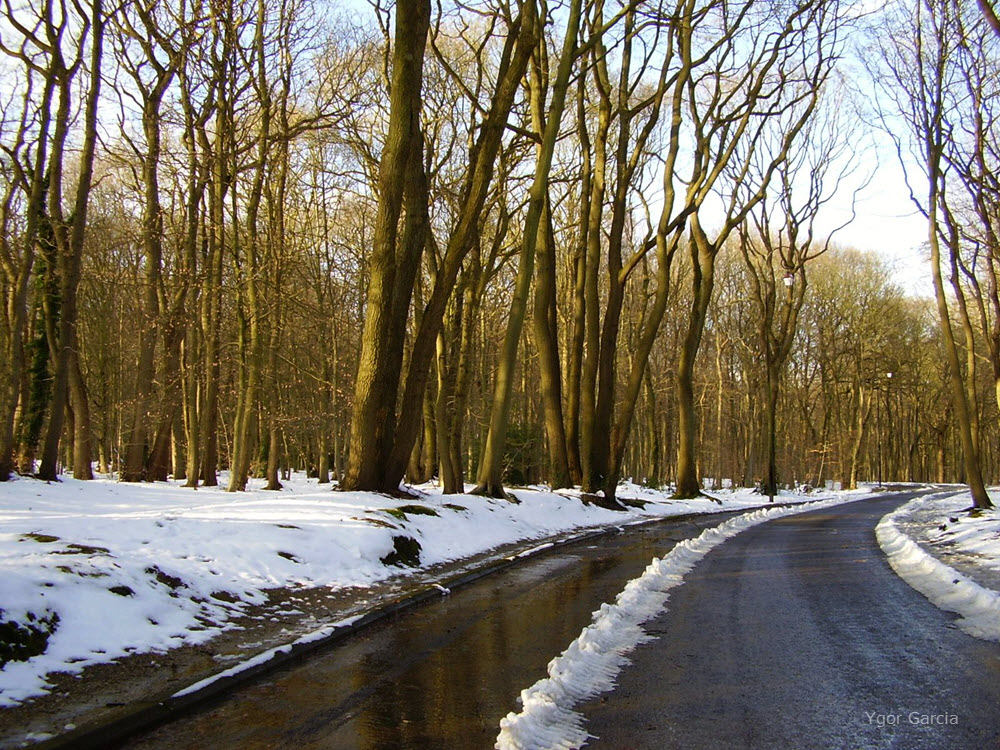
(437, 676)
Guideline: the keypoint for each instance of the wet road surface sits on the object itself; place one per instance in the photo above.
(437, 676)
(797, 634)
(793, 634)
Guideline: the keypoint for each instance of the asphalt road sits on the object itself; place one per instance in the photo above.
(797, 634)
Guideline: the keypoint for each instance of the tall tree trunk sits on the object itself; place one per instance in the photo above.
(223, 161)
(401, 166)
(453, 393)
(18, 274)
(770, 487)
(159, 463)
(974, 477)
(79, 399)
(544, 314)
(703, 281)
(69, 239)
(654, 417)
(35, 397)
(601, 439)
(666, 247)
(134, 468)
(211, 337)
(251, 345)
(491, 464)
(514, 62)
(192, 389)
(862, 414)
(448, 473)
(574, 369)
(178, 445)
(592, 314)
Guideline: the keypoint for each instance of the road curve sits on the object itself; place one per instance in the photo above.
(439, 676)
(797, 634)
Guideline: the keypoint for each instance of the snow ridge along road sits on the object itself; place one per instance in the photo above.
(946, 588)
(107, 570)
(148, 589)
(590, 664)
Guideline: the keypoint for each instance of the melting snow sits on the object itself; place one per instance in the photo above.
(978, 607)
(119, 569)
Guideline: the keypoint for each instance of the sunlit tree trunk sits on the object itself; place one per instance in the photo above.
(490, 482)
(373, 418)
(544, 308)
(69, 235)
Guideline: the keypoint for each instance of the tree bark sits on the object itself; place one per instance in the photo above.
(544, 312)
(134, 468)
(491, 464)
(69, 237)
(703, 282)
(376, 385)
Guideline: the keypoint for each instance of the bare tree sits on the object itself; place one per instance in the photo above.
(149, 54)
(378, 458)
(916, 77)
(783, 242)
(991, 15)
(780, 72)
(491, 463)
(54, 44)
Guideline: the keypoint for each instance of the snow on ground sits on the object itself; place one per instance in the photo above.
(94, 571)
(952, 558)
(589, 666)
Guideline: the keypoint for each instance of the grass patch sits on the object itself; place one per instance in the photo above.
(40, 538)
(403, 511)
(21, 641)
(82, 549)
(418, 510)
(452, 506)
(405, 553)
(171, 582)
(381, 523)
(72, 571)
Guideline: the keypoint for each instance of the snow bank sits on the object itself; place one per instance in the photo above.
(977, 606)
(589, 666)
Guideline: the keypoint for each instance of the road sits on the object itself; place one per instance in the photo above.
(437, 676)
(797, 634)
(793, 634)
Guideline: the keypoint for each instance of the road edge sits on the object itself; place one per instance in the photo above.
(164, 708)
(947, 589)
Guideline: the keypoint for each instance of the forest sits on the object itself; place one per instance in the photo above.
(494, 243)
